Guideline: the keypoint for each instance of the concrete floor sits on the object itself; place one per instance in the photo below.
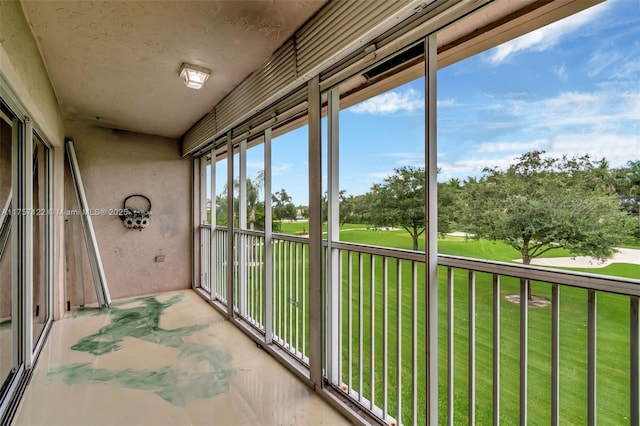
(168, 359)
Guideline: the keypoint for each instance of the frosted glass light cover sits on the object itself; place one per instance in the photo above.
(193, 76)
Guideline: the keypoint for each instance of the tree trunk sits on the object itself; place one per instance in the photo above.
(415, 241)
(526, 260)
(252, 218)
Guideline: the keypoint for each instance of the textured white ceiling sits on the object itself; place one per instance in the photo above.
(116, 63)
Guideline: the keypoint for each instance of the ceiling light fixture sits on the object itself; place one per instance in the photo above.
(193, 76)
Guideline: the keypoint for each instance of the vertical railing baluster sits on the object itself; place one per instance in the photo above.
(555, 355)
(254, 280)
(360, 325)
(285, 296)
(255, 267)
(450, 346)
(372, 310)
(290, 295)
(262, 282)
(305, 322)
(221, 266)
(203, 257)
(472, 348)
(634, 361)
(591, 358)
(349, 318)
(278, 297)
(524, 350)
(218, 260)
(385, 331)
(250, 279)
(338, 327)
(282, 249)
(398, 342)
(496, 349)
(297, 306)
(222, 270)
(414, 343)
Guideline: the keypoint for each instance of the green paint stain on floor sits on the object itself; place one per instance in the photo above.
(176, 385)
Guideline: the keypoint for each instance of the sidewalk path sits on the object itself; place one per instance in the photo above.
(622, 255)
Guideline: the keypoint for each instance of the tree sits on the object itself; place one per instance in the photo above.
(448, 204)
(254, 188)
(399, 201)
(283, 207)
(627, 186)
(221, 209)
(255, 208)
(303, 210)
(541, 204)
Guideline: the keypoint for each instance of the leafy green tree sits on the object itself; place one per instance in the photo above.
(304, 211)
(221, 209)
(627, 186)
(399, 201)
(448, 205)
(541, 204)
(353, 208)
(283, 207)
(255, 219)
(253, 188)
(359, 208)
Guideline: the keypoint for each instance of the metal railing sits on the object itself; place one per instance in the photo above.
(498, 288)
(493, 350)
(382, 349)
(221, 258)
(205, 256)
(290, 290)
(250, 276)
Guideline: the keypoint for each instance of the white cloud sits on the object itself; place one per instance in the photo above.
(603, 124)
(379, 175)
(607, 110)
(259, 165)
(408, 100)
(280, 169)
(616, 148)
(511, 146)
(545, 37)
(561, 72)
(472, 167)
(415, 159)
(491, 107)
(602, 60)
(444, 103)
(626, 70)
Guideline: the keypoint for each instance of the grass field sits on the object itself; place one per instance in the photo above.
(378, 347)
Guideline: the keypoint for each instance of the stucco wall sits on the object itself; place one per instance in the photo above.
(113, 165)
(22, 65)
(25, 74)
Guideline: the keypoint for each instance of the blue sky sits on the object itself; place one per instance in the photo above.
(572, 87)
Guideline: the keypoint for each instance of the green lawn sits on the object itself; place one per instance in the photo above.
(380, 349)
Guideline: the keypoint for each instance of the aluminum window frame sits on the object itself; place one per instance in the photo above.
(25, 352)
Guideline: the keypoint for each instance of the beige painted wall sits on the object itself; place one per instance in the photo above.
(23, 70)
(22, 65)
(113, 165)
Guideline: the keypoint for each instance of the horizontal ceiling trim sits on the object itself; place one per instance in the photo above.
(255, 102)
(282, 73)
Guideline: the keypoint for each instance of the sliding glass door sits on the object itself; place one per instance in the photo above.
(25, 249)
(7, 316)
